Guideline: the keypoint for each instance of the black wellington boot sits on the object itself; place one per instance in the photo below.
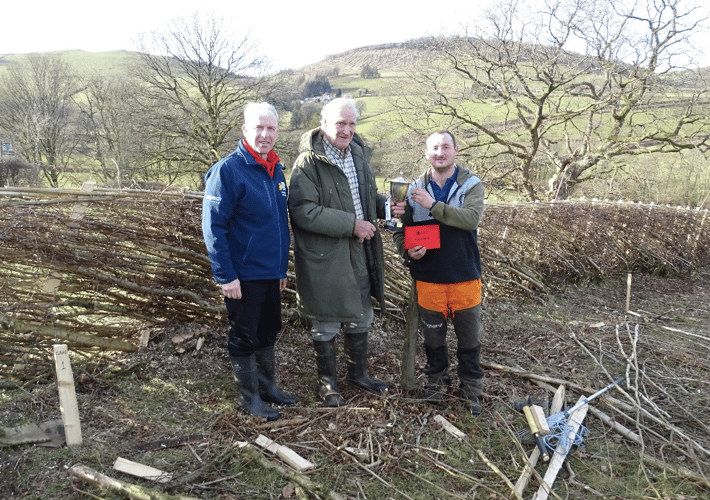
(326, 364)
(356, 352)
(268, 390)
(247, 379)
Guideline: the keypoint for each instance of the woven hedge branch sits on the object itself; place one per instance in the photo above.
(108, 263)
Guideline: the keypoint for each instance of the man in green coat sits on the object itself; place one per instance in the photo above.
(334, 207)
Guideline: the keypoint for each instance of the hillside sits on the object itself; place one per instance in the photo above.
(392, 57)
(87, 63)
(386, 57)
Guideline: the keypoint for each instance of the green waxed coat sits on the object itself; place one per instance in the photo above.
(322, 220)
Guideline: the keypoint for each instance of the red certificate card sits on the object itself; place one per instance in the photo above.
(426, 236)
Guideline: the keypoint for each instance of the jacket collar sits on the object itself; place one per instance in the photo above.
(462, 176)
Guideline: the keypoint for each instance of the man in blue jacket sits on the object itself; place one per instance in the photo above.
(245, 227)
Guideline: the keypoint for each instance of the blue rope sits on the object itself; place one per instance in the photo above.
(559, 436)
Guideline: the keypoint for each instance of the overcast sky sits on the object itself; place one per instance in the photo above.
(292, 34)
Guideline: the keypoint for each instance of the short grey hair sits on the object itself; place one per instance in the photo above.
(254, 110)
(335, 107)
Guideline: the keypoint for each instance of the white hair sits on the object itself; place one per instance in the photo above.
(335, 107)
(255, 110)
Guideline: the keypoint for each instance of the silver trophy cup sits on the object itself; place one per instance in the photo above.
(399, 188)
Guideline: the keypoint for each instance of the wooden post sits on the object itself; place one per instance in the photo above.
(628, 292)
(409, 350)
(67, 396)
(51, 284)
(80, 208)
(575, 420)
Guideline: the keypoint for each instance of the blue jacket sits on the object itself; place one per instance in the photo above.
(244, 221)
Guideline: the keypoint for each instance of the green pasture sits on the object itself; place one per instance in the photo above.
(104, 63)
(351, 82)
(86, 63)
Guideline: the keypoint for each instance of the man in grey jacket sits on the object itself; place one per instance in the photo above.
(334, 205)
(448, 199)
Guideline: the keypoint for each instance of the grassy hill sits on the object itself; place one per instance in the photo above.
(87, 63)
(394, 57)
(391, 57)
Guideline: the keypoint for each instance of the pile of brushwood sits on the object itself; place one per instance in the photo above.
(122, 278)
(96, 270)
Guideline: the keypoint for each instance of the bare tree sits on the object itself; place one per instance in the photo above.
(112, 127)
(550, 98)
(197, 81)
(37, 111)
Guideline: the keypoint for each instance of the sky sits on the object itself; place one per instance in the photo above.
(291, 34)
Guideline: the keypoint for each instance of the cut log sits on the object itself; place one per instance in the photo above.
(140, 470)
(285, 453)
(449, 427)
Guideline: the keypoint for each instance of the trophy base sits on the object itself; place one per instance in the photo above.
(393, 225)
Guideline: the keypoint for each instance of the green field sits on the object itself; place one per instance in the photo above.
(87, 63)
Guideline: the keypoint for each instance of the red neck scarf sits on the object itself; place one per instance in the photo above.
(271, 158)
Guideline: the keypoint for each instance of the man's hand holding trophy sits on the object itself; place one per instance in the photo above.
(399, 188)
